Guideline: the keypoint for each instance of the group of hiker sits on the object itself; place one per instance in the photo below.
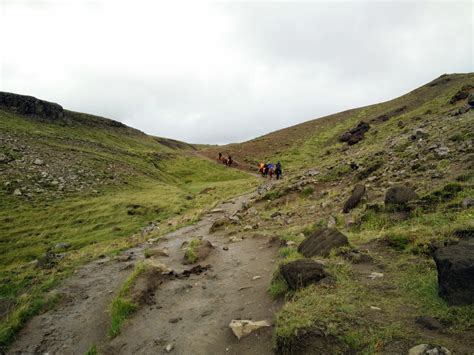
(227, 161)
(268, 169)
(265, 169)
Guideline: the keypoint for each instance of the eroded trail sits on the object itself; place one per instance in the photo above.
(191, 314)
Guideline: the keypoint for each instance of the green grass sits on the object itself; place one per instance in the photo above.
(191, 253)
(92, 350)
(122, 307)
(154, 183)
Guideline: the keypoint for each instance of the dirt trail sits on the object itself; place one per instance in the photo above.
(203, 304)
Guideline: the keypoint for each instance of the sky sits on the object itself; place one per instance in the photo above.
(221, 72)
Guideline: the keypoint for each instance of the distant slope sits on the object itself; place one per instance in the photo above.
(430, 100)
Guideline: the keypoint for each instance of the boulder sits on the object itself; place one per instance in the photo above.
(399, 195)
(242, 327)
(428, 349)
(321, 242)
(357, 193)
(455, 264)
(302, 272)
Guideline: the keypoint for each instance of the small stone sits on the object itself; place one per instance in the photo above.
(467, 202)
(374, 308)
(169, 348)
(17, 192)
(235, 239)
(62, 246)
(429, 323)
(375, 275)
(38, 162)
(256, 277)
(225, 248)
(175, 320)
(248, 228)
(290, 243)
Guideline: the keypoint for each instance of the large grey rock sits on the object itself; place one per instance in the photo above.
(398, 194)
(357, 194)
(302, 272)
(321, 242)
(455, 264)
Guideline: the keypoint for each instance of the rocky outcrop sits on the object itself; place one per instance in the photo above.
(461, 94)
(400, 195)
(29, 105)
(321, 242)
(302, 272)
(355, 135)
(357, 193)
(388, 115)
(455, 264)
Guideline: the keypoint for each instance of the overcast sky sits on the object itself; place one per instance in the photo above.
(227, 71)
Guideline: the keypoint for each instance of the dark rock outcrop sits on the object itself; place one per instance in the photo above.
(29, 105)
(455, 266)
(302, 272)
(461, 94)
(357, 194)
(399, 195)
(321, 242)
(386, 116)
(355, 135)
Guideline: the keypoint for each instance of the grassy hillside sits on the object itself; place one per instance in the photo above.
(307, 143)
(423, 140)
(85, 186)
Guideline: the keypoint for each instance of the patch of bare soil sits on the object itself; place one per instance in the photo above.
(189, 312)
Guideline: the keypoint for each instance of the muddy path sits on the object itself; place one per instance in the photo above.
(191, 314)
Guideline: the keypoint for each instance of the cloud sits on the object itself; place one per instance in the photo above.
(228, 71)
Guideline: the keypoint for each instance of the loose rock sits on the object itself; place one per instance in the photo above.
(399, 195)
(302, 272)
(455, 264)
(357, 193)
(428, 349)
(321, 242)
(242, 327)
